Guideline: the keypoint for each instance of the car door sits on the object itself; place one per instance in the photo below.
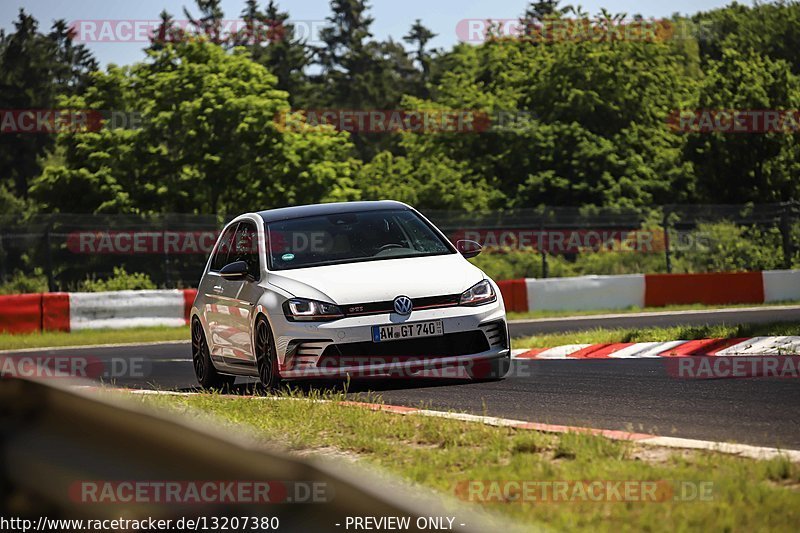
(216, 310)
(240, 297)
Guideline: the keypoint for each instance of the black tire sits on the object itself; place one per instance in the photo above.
(491, 370)
(207, 375)
(266, 356)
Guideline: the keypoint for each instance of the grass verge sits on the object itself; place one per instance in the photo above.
(440, 454)
(687, 307)
(597, 336)
(9, 341)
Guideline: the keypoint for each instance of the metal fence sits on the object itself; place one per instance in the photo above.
(172, 249)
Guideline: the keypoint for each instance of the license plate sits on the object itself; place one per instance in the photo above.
(414, 330)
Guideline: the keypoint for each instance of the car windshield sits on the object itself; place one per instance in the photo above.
(351, 238)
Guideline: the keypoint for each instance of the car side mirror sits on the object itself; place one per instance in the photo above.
(236, 271)
(468, 248)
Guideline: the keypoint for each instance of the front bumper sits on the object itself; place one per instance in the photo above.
(396, 369)
(310, 349)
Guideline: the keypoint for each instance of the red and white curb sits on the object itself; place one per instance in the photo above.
(741, 450)
(752, 346)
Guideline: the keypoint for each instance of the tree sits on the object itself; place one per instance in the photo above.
(768, 28)
(358, 73)
(542, 10)
(35, 69)
(419, 36)
(572, 123)
(208, 142)
(537, 15)
(349, 66)
(747, 167)
(166, 32)
(272, 42)
(430, 183)
(209, 23)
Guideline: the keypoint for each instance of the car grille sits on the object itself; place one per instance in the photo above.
(450, 344)
(376, 308)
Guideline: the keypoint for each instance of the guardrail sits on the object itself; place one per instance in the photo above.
(650, 290)
(69, 311)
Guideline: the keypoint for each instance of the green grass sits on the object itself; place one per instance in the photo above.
(598, 336)
(87, 337)
(634, 309)
(439, 454)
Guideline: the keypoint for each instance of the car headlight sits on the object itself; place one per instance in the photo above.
(479, 294)
(301, 309)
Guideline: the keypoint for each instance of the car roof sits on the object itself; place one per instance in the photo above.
(336, 208)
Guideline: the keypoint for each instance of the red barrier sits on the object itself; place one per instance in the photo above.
(188, 300)
(21, 313)
(55, 311)
(706, 288)
(515, 294)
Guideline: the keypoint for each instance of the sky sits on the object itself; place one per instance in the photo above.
(109, 26)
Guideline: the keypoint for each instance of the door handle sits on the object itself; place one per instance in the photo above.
(217, 288)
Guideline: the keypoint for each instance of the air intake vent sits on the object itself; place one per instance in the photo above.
(496, 333)
(302, 353)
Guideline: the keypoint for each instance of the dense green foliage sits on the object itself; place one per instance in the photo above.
(120, 280)
(211, 139)
(719, 247)
(574, 121)
(35, 68)
(25, 283)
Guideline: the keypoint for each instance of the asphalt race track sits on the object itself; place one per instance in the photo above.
(636, 394)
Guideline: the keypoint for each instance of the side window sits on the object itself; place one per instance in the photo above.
(222, 250)
(245, 248)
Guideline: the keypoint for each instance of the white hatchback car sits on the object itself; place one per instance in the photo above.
(344, 289)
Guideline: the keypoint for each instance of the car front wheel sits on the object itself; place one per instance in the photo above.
(266, 358)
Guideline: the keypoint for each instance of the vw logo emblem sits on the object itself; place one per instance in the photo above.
(403, 305)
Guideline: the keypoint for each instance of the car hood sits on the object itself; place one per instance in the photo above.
(378, 281)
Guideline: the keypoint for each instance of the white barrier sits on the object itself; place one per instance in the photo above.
(781, 285)
(586, 292)
(126, 309)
